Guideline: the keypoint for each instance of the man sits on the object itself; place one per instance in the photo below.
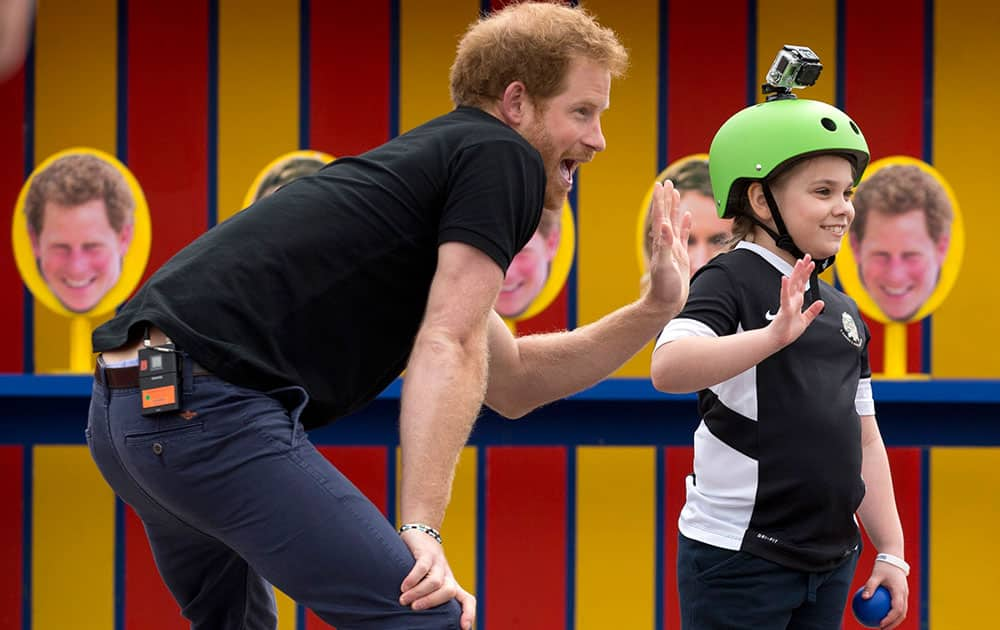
(530, 268)
(287, 170)
(900, 237)
(80, 215)
(303, 307)
(709, 233)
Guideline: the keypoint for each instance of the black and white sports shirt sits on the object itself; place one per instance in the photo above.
(777, 454)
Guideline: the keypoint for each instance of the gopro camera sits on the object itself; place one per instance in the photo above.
(794, 67)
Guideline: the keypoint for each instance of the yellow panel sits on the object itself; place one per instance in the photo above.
(75, 105)
(812, 24)
(258, 92)
(459, 527)
(615, 537)
(965, 139)
(429, 31)
(614, 184)
(287, 611)
(72, 540)
(963, 511)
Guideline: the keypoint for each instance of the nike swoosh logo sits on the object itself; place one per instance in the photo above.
(768, 316)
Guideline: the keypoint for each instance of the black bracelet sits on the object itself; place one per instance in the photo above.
(420, 527)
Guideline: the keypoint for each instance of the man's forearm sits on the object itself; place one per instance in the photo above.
(556, 365)
(442, 393)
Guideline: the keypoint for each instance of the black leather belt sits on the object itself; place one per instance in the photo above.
(128, 377)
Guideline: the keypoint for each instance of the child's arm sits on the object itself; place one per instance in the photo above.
(881, 520)
(693, 363)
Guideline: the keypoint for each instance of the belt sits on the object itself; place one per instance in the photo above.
(128, 377)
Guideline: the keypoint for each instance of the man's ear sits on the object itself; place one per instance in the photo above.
(758, 202)
(513, 103)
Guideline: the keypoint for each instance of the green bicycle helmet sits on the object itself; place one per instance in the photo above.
(759, 139)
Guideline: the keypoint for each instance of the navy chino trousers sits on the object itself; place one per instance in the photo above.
(234, 498)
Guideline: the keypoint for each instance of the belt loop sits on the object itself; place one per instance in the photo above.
(102, 379)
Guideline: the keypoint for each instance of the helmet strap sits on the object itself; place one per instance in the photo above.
(784, 241)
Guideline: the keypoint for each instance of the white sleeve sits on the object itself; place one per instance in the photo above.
(864, 402)
(681, 327)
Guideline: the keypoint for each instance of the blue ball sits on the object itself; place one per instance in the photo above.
(870, 612)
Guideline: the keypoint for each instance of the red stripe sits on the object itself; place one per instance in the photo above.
(168, 119)
(886, 98)
(914, 346)
(349, 56)
(11, 535)
(366, 467)
(551, 319)
(876, 347)
(679, 464)
(148, 603)
(710, 74)
(907, 473)
(11, 180)
(885, 83)
(526, 537)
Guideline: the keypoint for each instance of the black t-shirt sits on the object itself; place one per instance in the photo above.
(778, 449)
(324, 283)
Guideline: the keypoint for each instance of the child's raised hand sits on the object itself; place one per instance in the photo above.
(791, 321)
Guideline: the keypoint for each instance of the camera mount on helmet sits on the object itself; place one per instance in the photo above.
(794, 67)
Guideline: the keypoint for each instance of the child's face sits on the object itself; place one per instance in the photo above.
(815, 203)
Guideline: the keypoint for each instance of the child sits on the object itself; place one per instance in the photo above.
(788, 448)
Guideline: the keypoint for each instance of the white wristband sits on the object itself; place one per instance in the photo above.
(895, 561)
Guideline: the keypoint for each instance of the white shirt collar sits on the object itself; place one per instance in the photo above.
(776, 261)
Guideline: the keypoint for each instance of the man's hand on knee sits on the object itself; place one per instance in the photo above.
(431, 583)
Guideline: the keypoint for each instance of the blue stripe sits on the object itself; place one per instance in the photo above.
(120, 585)
(840, 92)
(121, 140)
(663, 91)
(391, 474)
(752, 79)
(925, 509)
(28, 303)
(212, 209)
(570, 536)
(928, 151)
(305, 73)
(27, 474)
(393, 69)
(658, 537)
(926, 338)
(48, 390)
(121, 148)
(481, 516)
